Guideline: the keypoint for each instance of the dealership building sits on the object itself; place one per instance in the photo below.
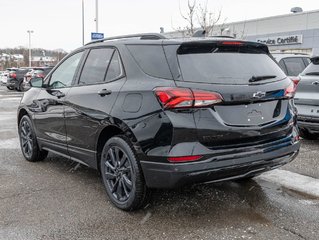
(293, 32)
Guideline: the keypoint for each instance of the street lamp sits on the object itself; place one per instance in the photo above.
(29, 32)
(83, 22)
(96, 15)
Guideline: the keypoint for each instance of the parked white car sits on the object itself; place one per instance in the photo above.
(3, 78)
(292, 63)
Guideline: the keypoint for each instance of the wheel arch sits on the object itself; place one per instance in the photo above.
(22, 112)
(111, 131)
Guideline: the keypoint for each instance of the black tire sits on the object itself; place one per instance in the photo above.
(28, 141)
(122, 175)
(20, 88)
(10, 88)
(307, 135)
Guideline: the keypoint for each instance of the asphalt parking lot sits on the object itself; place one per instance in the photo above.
(60, 199)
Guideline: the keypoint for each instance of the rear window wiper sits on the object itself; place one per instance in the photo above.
(260, 78)
(313, 73)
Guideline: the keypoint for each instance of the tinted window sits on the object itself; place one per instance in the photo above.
(95, 66)
(294, 66)
(227, 68)
(114, 70)
(64, 74)
(151, 60)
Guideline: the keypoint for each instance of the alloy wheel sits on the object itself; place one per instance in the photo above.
(118, 173)
(26, 139)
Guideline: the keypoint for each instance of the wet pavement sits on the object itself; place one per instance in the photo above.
(60, 199)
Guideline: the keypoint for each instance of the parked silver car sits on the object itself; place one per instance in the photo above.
(307, 100)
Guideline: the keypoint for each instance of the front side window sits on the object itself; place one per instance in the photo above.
(63, 76)
(95, 66)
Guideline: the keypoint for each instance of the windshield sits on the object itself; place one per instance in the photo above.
(228, 67)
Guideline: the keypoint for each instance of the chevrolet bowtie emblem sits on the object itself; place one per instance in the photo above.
(259, 94)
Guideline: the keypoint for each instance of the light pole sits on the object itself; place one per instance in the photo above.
(29, 32)
(83, 22)
(97, 15)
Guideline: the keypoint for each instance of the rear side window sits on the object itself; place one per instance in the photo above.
(311, 70)
(227, 67)
(294, 66)
(151, 59)
(95, 66)
(114, 70)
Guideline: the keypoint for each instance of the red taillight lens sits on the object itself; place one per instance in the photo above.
(13, 75)
(175, 97)
(203, 98)
(186, 98)
(232, 43)
(295, 80)
(290, 90)
(184, 158)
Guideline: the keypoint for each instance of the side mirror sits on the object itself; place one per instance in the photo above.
(36, 82)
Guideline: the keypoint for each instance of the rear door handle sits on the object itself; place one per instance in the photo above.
(315, 83)
(104, 92)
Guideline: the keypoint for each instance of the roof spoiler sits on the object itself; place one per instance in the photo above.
(315, 60)
(210, 45)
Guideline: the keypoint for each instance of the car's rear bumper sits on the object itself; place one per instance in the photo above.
(309, 123)
(170, 175)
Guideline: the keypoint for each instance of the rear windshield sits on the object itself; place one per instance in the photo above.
(228, 67)
(312, 69)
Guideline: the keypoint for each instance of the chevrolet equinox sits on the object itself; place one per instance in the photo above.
(151, 112)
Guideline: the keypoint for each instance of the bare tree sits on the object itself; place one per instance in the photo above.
(197, 16)
(189, 17)
(207, 19)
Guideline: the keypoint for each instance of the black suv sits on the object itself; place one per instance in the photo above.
(150, 112)
(15, 79)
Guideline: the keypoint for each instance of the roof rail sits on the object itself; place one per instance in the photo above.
(142, 36)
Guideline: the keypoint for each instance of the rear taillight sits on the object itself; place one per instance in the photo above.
(184, 158)
(171, 97)
(12, 75)
(295, 80)
(290, 90)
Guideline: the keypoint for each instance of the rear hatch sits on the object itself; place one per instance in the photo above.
(255, 106)
(307, 94)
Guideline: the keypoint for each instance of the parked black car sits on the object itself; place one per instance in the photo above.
(307, 100)
(150, 112)
(15, 79)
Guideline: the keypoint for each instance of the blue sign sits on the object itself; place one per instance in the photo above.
(96, 36)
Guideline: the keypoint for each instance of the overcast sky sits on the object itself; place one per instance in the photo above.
(58, 23)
